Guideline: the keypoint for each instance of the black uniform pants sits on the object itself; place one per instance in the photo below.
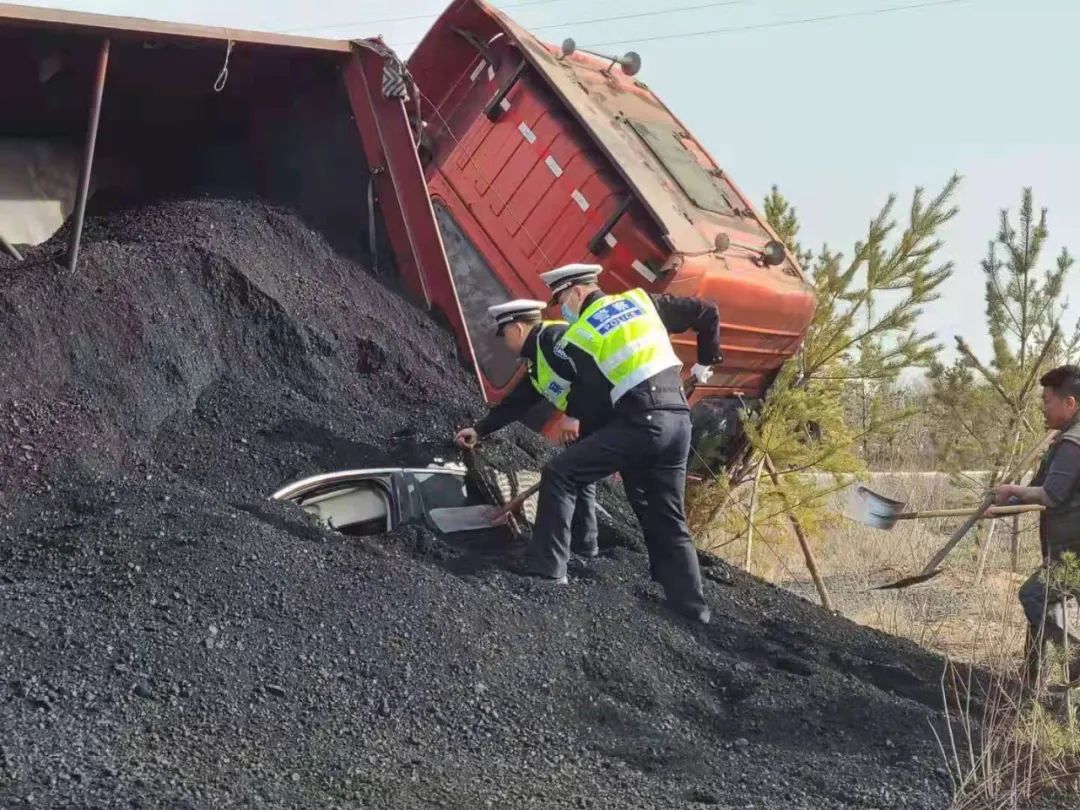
(652, 447)
(634, 487)
(583, 530)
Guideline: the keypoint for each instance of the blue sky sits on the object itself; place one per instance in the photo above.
(869, 104)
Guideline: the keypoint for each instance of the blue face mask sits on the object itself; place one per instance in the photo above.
(568, 314)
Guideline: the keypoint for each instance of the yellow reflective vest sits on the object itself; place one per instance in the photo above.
(550, 385)
(624, 334)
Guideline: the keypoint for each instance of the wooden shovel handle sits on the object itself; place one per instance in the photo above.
(515, 503)
(987, 502)
(958, 535)
(992, 512)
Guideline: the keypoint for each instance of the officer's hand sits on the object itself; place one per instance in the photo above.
(568, 431)
(467, 438)
(701, 373)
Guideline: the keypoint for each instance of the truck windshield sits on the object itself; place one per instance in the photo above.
(700, 183)
(477, 289)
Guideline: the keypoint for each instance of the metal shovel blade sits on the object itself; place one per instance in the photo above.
(873, 509)
(475, 518)
(452, 519)
(907, 582)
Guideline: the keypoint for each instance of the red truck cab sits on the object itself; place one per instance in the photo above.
(537, 156)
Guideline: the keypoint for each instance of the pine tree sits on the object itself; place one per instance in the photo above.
(989, 412)
(1021, 310)
(996, 403)
(863, 329)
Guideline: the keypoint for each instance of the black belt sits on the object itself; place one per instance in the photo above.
(665, 389)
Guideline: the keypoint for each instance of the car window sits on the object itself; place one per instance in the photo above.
(354, 508)
(437, 490)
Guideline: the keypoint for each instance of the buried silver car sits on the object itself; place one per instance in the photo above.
(379, 500)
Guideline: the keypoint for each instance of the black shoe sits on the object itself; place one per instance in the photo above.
(588, 553)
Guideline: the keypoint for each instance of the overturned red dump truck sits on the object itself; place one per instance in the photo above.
(537, 156)
(488, 159)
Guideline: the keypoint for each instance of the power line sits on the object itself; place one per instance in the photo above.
(740, 28)
(640, 14)
(710, 32)
(574, 22)
(780, 23)
(428, 16)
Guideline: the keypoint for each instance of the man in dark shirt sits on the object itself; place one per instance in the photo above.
(621, 354)
(1056, 485)
(523, 332)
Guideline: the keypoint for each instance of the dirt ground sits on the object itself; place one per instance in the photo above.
(170, 638)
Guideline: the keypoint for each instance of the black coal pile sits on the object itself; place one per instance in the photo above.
(171, 638)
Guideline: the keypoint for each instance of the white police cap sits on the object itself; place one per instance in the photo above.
(562, 278)
(523, 309)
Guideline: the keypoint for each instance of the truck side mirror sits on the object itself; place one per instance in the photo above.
(773, 253)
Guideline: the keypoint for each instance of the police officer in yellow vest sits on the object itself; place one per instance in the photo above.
(520, 325)
(620, 353)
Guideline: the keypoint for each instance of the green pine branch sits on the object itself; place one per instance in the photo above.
(864, 333)
(1025, 305)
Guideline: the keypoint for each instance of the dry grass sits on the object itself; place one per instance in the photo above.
(1007, 747)
(1011, 743)
(954, 614)
(957, 613)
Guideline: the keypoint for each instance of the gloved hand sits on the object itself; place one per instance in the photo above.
(701, 373)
